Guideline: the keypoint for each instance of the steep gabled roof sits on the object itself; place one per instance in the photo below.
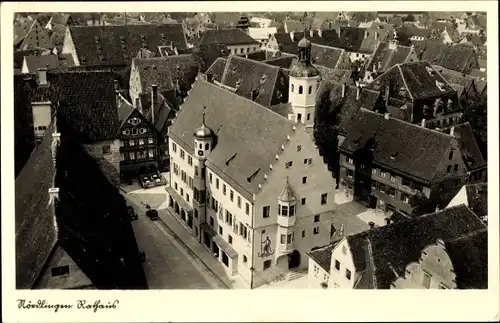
(346, 108)
(471, 154)
(36, 228)
(227, 37)
(164, 71)
(245, 130)
(453, 57)
(326, 56)
(107, 45)
(419, 151)
(248, 76)
(48, 61)
(90, 111)
(477, 198)
(387, 57)
(394, 246)
(216, 70)
(419, 79)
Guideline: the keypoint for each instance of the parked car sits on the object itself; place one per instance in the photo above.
(146, 181)
(158, 179)
(152, 214)
(131, 213)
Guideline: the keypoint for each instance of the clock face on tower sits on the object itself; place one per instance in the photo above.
(200, 153)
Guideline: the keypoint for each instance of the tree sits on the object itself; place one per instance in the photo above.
(409, 17)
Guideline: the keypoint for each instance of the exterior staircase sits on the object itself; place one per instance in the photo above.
(294, 274)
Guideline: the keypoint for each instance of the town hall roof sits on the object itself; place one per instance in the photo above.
(248, 135)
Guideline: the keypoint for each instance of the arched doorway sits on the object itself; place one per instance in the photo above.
(294, 259)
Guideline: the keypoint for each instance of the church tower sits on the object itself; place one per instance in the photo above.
(303, 84)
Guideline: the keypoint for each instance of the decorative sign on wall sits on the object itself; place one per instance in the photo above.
(265, 247)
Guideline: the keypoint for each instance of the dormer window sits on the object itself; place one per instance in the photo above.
(440, 86)
(430, 70)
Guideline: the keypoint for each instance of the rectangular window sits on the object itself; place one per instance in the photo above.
(350, 173)
(230, 239)
(150, 140)
(427, 280)
(288, 164)
(203, 173)
(141, 142)
(282, 239)
(211, 221)
(187, 197)
(393, 178)
(210, 177)
(60, 271)
(304, 180)
(383, 174)
(217, 183)
(284, 210)
(175, 185)
(151, 153)
(289, 238)
(190, 161)
(299, 147)
(303, 233)
(266, 210)
(316, 218)
(392, 191)
(190, 182)
(131, 142)
(349, 160)
(183, 154)
(220, 230)
(324, 198)
(362, 166)
(316, 230)
(348, 274)
(131, 156)
(231, 195)
(405, 182)
(267, 264)
(196, 171)
(292, 210)
(303, 201)
(239, 201)
(337, 265)
(106, 150)
(224, 189)
(182, 191)
(247, 209)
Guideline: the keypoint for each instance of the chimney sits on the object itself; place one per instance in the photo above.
(172, 44)
(387, 221)
(311, 33)
(343, 90)
(154, 98)
(42, 76)
(386, 115)
(209, 77)
(358, 92)
(422, 123)
(330, 25)
(320, 32)
(371, 224)
(452, 131)
(374, 67)
(255, 93)
(366, 34)
(376, 35)
(379, 65)
(138, 104)
(291, 35)
(53, 193)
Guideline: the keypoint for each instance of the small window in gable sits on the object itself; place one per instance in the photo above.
(300, 89)
(60, 271)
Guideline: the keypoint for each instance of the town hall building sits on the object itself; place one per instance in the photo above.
(249, 182)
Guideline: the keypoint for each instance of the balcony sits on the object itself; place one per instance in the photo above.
(286, 221)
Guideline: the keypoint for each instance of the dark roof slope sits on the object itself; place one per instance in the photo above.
(49, 61)
(477, 197)
(469, 255)
(245, 130)
(453, 57)
(107, 45)
(36, 229)
(325, 56)
(419, 79)
(418, 150)
(247, 76)
(86, 102)
(469, 148)
(216, 70)
(227, 37)
(87, 200)
(165, 71)
(206, 55)
(388, 57)
(346, 108)
(396, 245)
(323, 256)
